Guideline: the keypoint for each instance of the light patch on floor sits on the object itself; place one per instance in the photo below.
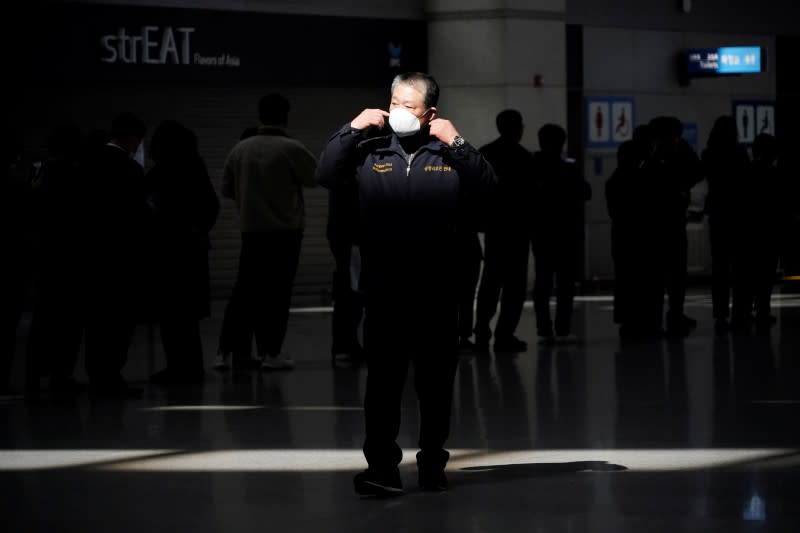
(51, 459)
(330, 460)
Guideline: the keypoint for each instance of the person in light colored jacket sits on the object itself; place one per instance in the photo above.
(265, 175)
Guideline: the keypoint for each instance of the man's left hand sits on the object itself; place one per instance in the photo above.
(443, 130)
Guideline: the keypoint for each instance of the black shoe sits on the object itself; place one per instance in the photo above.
(680, 326)
(510, 344)
(170, 377)
(347, 355)
(765, 321)
(383, 484)
(480, 345)
(120, 390)
(466, 346)
(741, 324)
(65, 389)
(342, 360)
(433, 480)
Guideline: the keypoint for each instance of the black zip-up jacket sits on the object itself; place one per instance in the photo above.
(409, 204)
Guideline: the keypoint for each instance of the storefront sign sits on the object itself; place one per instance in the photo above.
(109, 42)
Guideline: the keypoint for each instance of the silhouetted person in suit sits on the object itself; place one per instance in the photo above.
(725, 165)
(675, 169)
(622, 202)
(557, 233)
(265, 175)
(789, 168)
(58, 318)
(506, 251)
(185, 207)
(764, 216)
(409, 178)
(118, 218)
(639, 284)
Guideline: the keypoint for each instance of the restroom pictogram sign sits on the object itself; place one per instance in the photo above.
(609, 121)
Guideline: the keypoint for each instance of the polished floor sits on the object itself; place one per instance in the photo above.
(698, 435)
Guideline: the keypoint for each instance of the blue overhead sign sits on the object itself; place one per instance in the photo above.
(725, 60)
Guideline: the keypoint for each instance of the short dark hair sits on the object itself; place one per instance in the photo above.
(509, 122)
(723, 132)
(127, 125)
(431, 92)
(273, 109)
(552, 137)
(248, 132)
(666, 127)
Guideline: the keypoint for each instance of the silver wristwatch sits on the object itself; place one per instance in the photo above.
(458, 142)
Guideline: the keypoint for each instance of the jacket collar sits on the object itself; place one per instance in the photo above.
(391, 143)
(272, 130)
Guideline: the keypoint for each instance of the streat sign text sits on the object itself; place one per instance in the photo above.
(154, 45)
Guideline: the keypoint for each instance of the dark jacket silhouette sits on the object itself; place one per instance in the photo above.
(185, 209)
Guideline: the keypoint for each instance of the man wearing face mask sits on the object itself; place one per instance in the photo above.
(412, 170)
(117, 217)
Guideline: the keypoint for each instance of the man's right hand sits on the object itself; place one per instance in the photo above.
(369, 117)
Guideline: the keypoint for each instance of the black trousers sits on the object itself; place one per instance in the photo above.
(723, 240)
(676, 274)
(114, 306)
(348, 304)
(183, 347)
(418, 331)
(470, 257)
(57, 325)
(109, 331)
(756, 270)
(505, 269)
(13, 290)
(555, 261)
(262, 295)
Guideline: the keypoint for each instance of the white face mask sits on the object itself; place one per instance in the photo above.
(404, 122)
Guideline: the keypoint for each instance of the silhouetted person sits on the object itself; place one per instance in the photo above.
(622, 202)
(631, 194)
(763, 218)
(185, 207)
(118, 218)
(675, 169)
(725, 165)
(506, 238)
(557, 233)
(789, 168)
(409, 178)
(348, 305)
(95, 140)
(58, 318)
(14, 200)
(265, 175)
